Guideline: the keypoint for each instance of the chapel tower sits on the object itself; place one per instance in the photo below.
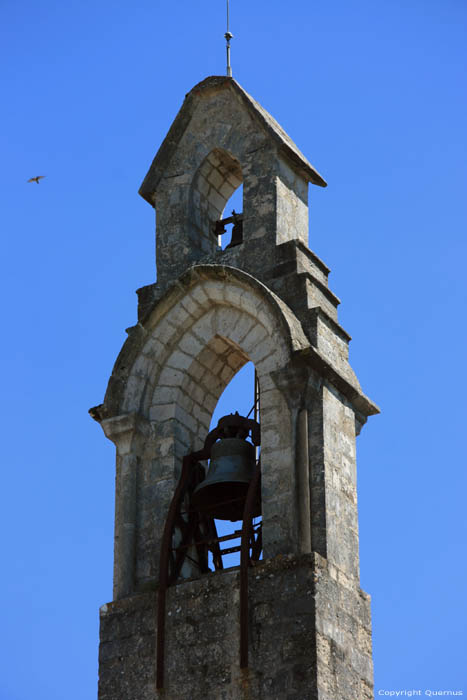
(291, 621)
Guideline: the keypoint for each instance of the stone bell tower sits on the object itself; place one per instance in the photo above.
(291, 621)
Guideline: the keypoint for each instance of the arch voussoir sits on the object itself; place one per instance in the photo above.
(207, 302)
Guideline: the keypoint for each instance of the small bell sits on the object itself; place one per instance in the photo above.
(237, 230)
(223, 492)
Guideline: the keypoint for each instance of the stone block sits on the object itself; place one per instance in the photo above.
(165, 332)
(134, 389)
(196, 371)
(215, 291)
(188, 307)
(203, 187)
(215, 178)
(242, 328)
(162, 412)
(179, 360)
(203, 328)
(171, 377)
(225, 320)
(271, 363)
(199, 296)
(190, 344)
(185, 401)
(256, 337)
(226, 190)
(250, 303)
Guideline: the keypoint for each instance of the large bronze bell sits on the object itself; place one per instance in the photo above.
(223, 492)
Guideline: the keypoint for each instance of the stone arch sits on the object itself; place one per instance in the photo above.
(189, 385)
(172, 373)
(194, 375)
(216, 179)
(167, 330)
(192, 353)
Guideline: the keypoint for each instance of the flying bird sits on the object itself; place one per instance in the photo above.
(36, 179)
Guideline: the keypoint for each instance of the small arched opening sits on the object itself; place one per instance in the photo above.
(215, 192)
(230, 224)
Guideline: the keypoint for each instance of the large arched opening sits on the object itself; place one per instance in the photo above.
(212, 324)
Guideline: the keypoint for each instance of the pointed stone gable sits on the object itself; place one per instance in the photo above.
(207, 87)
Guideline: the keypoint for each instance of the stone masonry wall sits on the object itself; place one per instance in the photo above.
(340, 469)
(210, 162)
(190, 345)
(310, 638)
(268, 301)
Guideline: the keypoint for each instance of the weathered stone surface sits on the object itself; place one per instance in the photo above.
(266, 300)
(214, 85)
(204, 159)
(310, 637)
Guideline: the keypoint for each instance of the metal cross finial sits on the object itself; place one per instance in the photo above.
(228, 37)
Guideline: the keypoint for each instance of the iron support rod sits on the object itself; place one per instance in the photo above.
(244, 562)
(256, 407)
(303, 481)
(164, 570)
(229, 67)
(224, 538)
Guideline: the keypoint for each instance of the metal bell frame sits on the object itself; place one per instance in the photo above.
(199, 530)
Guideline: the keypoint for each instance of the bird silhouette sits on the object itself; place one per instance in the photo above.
(36, 179)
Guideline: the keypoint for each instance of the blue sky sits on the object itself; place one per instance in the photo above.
(374, 94)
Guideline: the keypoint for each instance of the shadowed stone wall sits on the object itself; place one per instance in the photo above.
(310, 637)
